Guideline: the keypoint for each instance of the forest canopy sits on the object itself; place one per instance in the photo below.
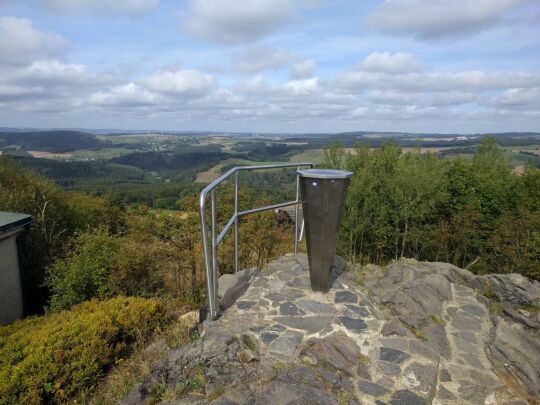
(477, 214)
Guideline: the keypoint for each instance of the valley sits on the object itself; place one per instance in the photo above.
(157, 165)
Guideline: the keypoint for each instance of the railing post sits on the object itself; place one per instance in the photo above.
(296, 213)
(207, 261)
(213, 311)
(236, 222)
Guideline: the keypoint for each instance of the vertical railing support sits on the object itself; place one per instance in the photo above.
(207, 260)
(296, 213)
(236, 222)
(214, 252)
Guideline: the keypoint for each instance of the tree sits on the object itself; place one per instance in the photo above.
(334, 155)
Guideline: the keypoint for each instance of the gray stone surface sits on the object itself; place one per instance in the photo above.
(315, 307)
(392, 355)
(311, 324)
(406, 397)
(410, 333)
(345, 296)
(353, 324)
(372, 389)
(289, 308)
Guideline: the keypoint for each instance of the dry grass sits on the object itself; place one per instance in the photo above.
(132, 370)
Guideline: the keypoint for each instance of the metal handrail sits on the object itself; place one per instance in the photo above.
(210, 254)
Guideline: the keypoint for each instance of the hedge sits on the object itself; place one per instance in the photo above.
(59, 357)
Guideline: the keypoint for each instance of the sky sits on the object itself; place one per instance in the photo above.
(269, 66)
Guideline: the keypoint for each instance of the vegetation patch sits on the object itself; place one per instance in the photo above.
(216, 393)
(60, 357)
(345, 398)
(249, 343)
(531, 309)
(495, 308)
(195, 380)
(419, 333)
(438, 320)
(132, 369)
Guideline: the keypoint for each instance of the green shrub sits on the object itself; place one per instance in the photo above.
(86, 272)
(58, 358)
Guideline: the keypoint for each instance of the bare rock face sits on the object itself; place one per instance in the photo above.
(409, 333)
(516, 344)
(455, 310)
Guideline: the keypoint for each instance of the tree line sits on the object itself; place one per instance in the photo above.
(477, 214)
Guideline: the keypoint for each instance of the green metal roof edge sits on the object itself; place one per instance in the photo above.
(17, 221)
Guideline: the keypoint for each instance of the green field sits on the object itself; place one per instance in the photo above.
(216, 171)
(106, 153)
(315, 156)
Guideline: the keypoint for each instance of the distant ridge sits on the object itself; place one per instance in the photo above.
(57, 141)
(114, 131)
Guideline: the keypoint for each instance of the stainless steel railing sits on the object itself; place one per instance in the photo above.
(210, 253)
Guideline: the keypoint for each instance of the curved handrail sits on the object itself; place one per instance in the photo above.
(210, 260)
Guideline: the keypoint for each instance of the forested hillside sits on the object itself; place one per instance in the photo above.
(57, 141)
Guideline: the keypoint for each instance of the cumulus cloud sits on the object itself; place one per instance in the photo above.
(390, 97)
(103, 7)
(517, 98)
(256, 59)
(21, 42)
(128, 95)
(435, 19)
(430, 81)
(57, 73)
(391, 63)
(181, 82)
(303, 87)
(236, 21)
(303, 70)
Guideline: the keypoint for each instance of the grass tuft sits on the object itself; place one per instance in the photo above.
(419, 333)
(438, 320)
(249, 343)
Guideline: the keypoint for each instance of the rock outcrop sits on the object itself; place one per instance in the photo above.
(409, 333)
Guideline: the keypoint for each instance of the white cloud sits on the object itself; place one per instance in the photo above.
(260, 58)
(391, 63)
(236, 21)
(390, 97)
(181, 82)
(104, 7)
(303, 87)
(21, 43)
(430, 81)
(128, 95)
(517, 98)
(433, 19)
(303, 69)
(57, 73)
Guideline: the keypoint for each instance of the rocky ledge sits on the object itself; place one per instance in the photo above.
(408, 333)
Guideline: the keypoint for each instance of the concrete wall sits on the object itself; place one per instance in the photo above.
(11, 304)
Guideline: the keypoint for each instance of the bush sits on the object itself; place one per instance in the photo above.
(86, 272)
(60, 357)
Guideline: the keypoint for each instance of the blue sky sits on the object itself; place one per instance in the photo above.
(271, 65)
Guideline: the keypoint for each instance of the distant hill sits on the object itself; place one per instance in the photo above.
(169, 161)
(57, 141)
